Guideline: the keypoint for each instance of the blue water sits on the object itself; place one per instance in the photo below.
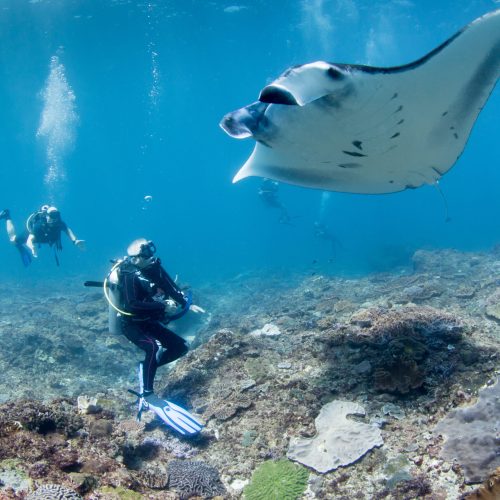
(133, 103)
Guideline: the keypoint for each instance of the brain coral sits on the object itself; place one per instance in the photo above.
(53, 492)
(472, 435)
(339, 440)
(194, 479)
(281, 480)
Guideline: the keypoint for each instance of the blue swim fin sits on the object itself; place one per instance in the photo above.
(172, 414)
(25, 254)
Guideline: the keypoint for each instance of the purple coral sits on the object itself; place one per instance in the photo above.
(472, 435)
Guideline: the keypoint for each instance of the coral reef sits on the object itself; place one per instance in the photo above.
(409, 339)
(339, 440)
(194, 478)
(472, 435)
(41, 418)
(490, 490)
(406, 321)
(53, 492)
(408, 347)
(277, 479)
(154, 477)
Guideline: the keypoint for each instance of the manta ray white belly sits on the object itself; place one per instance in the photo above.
(372, 130)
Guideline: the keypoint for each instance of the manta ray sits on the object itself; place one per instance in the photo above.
(373, 130)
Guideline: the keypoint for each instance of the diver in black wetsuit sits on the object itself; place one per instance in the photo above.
(268, 193)
(42, 227)
(146, 292)
(321, 231)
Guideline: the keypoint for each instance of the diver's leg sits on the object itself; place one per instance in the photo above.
(173, 346)
(17, 240)
(170, 413)
(11, 230)
(138, 335)
(30, 243)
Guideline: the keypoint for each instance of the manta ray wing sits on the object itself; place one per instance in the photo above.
(364, 129)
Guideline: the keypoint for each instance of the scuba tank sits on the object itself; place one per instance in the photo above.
(113, 297)
(111, 288)
(112, 291)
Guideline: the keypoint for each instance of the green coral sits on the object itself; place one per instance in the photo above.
(248, 438)
(257, 369)
(119, 493)
(280, 480)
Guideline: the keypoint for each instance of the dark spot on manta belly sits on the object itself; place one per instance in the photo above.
(350, 165)
(353, 153)
(391, 182)
(357, 144)
(455, 135)
(394, 96)
(399, 109)
(310, 177)
(395, 135)
(400, 121)
(445, 113)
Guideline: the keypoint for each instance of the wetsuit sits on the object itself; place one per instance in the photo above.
(49, 233)
(144, 329)
(42, 231)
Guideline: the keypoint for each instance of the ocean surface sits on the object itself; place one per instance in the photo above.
(104, 103)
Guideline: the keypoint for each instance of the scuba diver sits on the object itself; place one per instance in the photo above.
(268, 193)
(141, 297)
(322, 232)
(42, 227)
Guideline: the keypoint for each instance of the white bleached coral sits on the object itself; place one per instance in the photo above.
(339, 441)
(268, 329)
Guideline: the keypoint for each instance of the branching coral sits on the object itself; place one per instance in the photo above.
(386, 324)
(35, 416)
(397, 375)
(408, 337)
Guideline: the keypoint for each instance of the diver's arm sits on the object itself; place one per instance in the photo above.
(71, 235)
(196, 309)
(161, 278)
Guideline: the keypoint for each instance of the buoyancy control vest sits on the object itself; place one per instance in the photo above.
(37, 225)
(113, 291)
